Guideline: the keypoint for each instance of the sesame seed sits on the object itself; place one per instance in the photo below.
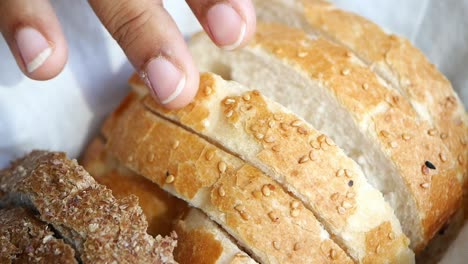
(270, 139)
(244, 215)
(384, 133)
(443, 136)
(229, 113)
(273, 216)
(170, 178)
(391, 236)
(297, 246)
(378, 249)
(340, 173)
(430, 165)
(209, 154)
(130, 158)
(432, 132)
(302, 131)
(259, 135)
(295, 212)
(313, 156)
(314, 144)
(246, 97)
(296, 123)
(463, 141)
(341, 210)
(365, 86)
(256, 92)
(348, 54)
(303, 159)
(222, 167)
(278, 51)
(333, 254)
(208, 90)
(393, 144)
(284, 126)
(346, 205)
(150, 157)
(221, 191)
(176, 144)
(229, 101)
(320, 75)
(277, 117)
(348, 173)
(425, 185)
(254, 127)
(266, 190)
(321, 138)
(335, 196)
(460, 159)
(405, 137)
(302, 54)
(276, 245)
(295, 204)
(239, 208)
(271, 124)
(276, 148)
(351, 183)
(350, 195)
(424, 169)
(345, 71)
(442, 157)
(328, 141)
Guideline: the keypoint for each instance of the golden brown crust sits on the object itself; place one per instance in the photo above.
(377, 109)
(405, 67)
(25, 239)
(311, 165)
(101, 228)
(226, 188)
(159, 207)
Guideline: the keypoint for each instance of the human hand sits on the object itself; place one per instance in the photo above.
(142, 28)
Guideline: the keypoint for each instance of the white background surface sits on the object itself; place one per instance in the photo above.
(62, 114)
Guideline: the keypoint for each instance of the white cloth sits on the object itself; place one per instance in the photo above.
(64, 113)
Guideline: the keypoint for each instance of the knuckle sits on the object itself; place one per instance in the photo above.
(127, 23)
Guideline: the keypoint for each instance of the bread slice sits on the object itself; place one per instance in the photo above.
(101, 228)
(159, 207)
(264, 219)
(393, 58)
(376, 126)
(201, 241)
(25, 239)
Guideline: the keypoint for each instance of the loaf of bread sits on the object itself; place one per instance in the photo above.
(328, 86)
(99, 227)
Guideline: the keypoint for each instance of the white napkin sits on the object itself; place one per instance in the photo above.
(64, 113)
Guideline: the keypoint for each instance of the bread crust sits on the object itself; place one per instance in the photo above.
(224, 187)
(25, 239)
(100, 227)
(381, 113)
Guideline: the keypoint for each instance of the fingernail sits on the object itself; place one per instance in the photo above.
(166, 80)
(33, 47)
(226, 26)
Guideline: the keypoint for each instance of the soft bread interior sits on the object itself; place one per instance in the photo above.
(286, 85)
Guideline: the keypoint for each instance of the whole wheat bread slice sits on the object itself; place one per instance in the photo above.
(101, 228)
(26, 239)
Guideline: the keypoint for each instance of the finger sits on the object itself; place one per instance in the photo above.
(154, 45)
(34, 36)
(229, 23)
